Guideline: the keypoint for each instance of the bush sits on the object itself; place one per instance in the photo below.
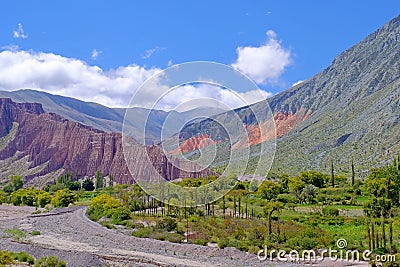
(165, 236)
(2, 197)
(35, 232)
(200, 241)
(223, 243)
(145, 232)
(43, 199)
(100, 206)
(119, 215)
(88, 185)
(15, 234)
(50, 261)
(5, 258)
(63, 198)
(286, 198)
(73, 186)
(23, 257)
(330, 211)
(168, 224)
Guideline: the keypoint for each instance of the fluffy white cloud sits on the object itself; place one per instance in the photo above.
(266, 63)
(114, 88)
(207, 95)
(95, 54)
(70, 77)
(20, 33)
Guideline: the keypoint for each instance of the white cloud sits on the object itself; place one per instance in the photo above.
(266, 63)
(114, 88)
(148, 53)
(200, 95)
(297, 83)
(20, 33)
(70, 77)
(95, 54)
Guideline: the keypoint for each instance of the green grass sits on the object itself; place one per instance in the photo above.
(15, 234)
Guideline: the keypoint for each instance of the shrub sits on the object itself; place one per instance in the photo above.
(15, 234)
(5, 258)
(49, 261)
(120, 214)
(43, 199)
(200, 241)
(100, 205)
(73, 186)
(223, 243)
(2, 197)
(23, 257)
(143, 232)
(88, 185)
(165, 236)
(35, 232)
(63, 198)
(168, 224)
(330, 211)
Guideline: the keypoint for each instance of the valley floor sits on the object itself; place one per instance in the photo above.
(71, 236)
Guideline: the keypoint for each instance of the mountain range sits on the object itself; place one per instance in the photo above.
(41, 146)
(349, 112)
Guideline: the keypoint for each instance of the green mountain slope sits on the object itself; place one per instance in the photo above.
(351, 110)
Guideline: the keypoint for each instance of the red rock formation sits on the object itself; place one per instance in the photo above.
(63, 144)
(256, 133)
(194, 143)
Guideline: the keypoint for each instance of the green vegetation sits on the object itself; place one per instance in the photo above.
(15, 234)
(308, 211)
(50, 261)
(23, 257)
(10, 258)
(5, 258)
(63, 198)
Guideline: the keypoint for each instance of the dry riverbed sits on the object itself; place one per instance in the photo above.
(71, 236)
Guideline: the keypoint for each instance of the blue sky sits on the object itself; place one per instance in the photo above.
(137, 38)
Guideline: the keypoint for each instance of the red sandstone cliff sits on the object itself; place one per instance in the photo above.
(58, 143)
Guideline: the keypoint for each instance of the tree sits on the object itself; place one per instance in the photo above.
(88, 185)
(63, 198)
(353, 174)
(73, 186)
(111, 180)
(16, 182)
(309, 192)
(314, 178)
(268, 210)
(269, 190)
(296, 186)
(99, 180)
(332, 174)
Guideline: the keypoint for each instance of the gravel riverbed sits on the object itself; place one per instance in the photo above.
(70, 235)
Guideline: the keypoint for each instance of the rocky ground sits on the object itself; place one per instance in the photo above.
(71, 236)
